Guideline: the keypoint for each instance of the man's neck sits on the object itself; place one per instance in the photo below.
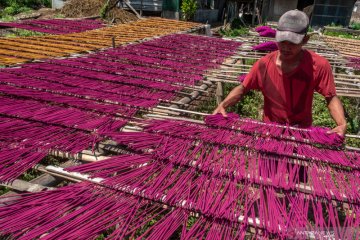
(287, 65)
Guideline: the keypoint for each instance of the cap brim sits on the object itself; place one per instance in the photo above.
(289, 36)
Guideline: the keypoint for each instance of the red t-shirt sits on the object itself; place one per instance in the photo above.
(288, 97)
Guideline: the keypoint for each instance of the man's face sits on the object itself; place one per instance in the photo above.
(289, 50)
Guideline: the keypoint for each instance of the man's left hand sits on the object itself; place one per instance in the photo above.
(341, 130)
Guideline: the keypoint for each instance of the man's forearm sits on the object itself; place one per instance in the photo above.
(234, 96)
(336, 110)
(337, 113)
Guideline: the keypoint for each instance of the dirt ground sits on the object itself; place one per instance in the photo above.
(42, 13)
(355, 17)
(81, 9)
(91, 8)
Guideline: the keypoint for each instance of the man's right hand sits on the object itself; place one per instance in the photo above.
(233, 97)
(220, 109)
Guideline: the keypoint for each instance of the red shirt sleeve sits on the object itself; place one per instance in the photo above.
(252, 79)
(326, 84)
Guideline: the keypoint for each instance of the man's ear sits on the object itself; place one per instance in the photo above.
(306, 39)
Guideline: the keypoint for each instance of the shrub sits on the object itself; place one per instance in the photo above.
(234, 32)
(188, 9)
(236, 23)
(15, 9)
(104, 9)
(355, 25)
(12, 7)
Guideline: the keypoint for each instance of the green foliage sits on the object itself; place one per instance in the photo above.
(335, 25)
(3, 190)
(250, 106)
(339, 32)
(355, 25)
(321, 115)
(188, 9)
(334, 33)
(352, 114)
(6, 18)
(13, 7)
(104, 9)
(236, 23)
(191, 221)
(30, 175)
(234, 32)
(250, 61)
(105, 234)
(26, 3)
(59, 15)
(34, 173)
(148, 224)
(22, 33)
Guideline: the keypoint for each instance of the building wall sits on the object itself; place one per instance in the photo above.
(356, 12)
(276, 8)
(324, 13)
(206, 15)
(327, 12)
(57, 4)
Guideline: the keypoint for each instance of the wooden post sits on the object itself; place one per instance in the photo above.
(225, 18)
(208, 30)
(254, 13)
(127, 3)
(258, 16)
(141, 8)
(113, 41)
(219, 93)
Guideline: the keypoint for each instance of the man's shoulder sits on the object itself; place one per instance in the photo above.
(316, 59)
(268, 57)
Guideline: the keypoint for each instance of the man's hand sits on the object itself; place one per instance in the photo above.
(233, 97)
(341, 130)
(337, 113)
(220, 109)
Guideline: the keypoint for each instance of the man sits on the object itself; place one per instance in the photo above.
(288, 78)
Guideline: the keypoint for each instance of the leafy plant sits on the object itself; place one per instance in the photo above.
(13, 7)
(335, 25)
(338, 31)
(6, 18)
(234, 32)
(34, 173)
(28, 3)
(4, 190)
(188, 9)
(250, 106)
(107, 7)
(23, 33)
(236, 23)
(355, 25)
(104, 9)
(59, 15)
(341, 34)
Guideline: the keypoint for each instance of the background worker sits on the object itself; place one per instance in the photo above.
(288, 78)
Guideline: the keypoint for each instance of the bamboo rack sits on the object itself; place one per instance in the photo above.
(257, 122)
